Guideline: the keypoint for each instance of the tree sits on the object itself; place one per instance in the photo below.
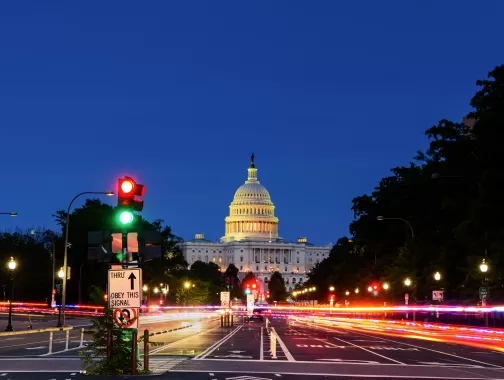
(276, 287)
(457, 219)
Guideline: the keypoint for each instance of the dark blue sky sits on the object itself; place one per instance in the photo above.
(328, 94)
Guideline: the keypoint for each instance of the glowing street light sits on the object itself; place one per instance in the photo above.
(12, 264)
(386, 286)
(437, 276)
(187, 285)
(483, 266)
(347, 293)
(145, 288)
(407, 281)
(356, 290)
(331, 288)
(156, 290)
(370, 289)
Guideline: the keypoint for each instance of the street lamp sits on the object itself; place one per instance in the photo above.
(370, 289)
(145, 288)
(65, 258)
(347, 293)
(407, 281)
(380, 218)
(356, 290)
(156, 290)
(437, 276)
(386, 286)
(483, 266)
(61, 275)
(11, 265)
(187, 285)
(331, 288)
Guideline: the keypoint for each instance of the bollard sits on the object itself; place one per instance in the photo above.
(81, 337)
(146, 350)
(134, 353)
(50, 342)
(67, 339)
(30, 327)
(221, 321)
(273, 345)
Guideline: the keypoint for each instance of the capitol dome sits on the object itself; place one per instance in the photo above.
(251, 213)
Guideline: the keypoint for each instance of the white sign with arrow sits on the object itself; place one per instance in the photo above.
(124, 288)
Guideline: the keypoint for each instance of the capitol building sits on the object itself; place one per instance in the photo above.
(251, 241)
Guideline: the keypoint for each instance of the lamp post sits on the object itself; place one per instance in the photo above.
(11, 265)
(380, 218)
(61, 275)
(65, 257)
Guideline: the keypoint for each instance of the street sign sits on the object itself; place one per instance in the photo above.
(483, 293)
(124, 288)
(225, 297)
(437, 295)
(126, 318)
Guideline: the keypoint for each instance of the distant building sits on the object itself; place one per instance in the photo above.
(251, 240)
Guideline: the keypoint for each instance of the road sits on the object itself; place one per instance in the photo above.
(304, 349)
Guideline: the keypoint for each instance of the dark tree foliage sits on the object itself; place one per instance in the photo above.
(456, 218)
(276, 287)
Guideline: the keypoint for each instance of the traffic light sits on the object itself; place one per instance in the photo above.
(127, 190)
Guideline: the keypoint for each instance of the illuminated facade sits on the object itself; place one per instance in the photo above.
(251, 240)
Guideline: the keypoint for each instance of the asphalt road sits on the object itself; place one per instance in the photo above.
(303, 350)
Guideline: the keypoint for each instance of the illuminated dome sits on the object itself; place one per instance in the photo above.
(251, 214)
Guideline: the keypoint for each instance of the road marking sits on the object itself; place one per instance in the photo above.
(284, 347)
(331, 374)
(211, 374)
(372, 352)
(439, 352)
(3, 374)
(350, 361)
(35, 348)
(183, 340)
(217, 344)
(261, 349)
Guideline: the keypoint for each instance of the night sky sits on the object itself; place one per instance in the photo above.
(329, 95)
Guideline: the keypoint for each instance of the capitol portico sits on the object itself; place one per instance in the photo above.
(251, 240)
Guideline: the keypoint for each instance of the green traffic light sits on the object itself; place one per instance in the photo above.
(126, 217)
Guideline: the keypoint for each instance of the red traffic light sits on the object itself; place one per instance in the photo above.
(127, 190)
(127, 186)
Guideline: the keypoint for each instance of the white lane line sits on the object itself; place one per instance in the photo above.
(284, 347)
(183, 340)
(439, 352)
(216, 345)
(261, 349)
(3, 374)
(372, 352)
(211, 374)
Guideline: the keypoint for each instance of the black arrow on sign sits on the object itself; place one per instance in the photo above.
(132, 278)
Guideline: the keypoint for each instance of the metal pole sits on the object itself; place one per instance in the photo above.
(146, 350)
(109, 343)
(134, 353)
(80, 284)
(53, 294)
(9, 322)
